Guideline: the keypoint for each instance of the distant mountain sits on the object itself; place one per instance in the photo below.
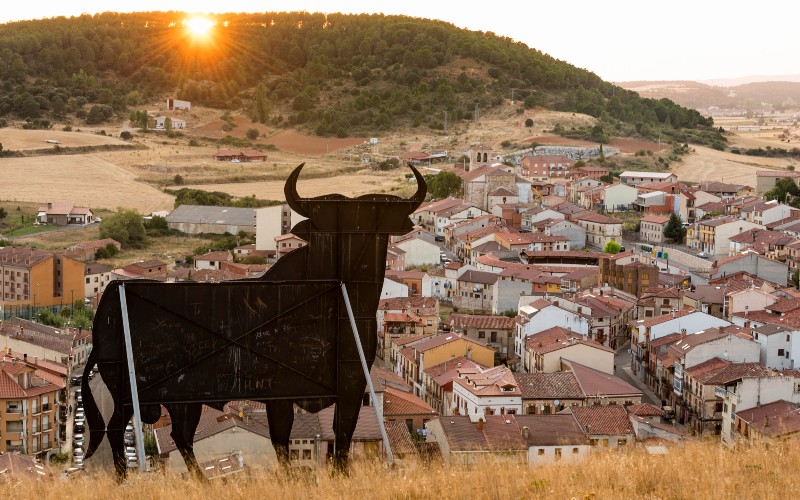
(732, 82)
(697, 95)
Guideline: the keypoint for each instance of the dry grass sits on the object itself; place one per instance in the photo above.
(706, 164)
(698, 471)
(86, 180)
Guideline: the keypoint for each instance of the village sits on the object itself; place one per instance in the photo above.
(542, 315)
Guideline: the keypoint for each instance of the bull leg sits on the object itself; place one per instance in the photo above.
(116, 438)
(185, 418)
(280, 416)
(345, 418)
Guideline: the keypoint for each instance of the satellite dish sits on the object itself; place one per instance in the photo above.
(556, 402)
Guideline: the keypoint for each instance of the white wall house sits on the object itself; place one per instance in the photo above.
(419, 252)
(776, 346)
(274, 221)
(392, 288)
(618, 196)
(691, 321)
(493, 391)
(538, 314)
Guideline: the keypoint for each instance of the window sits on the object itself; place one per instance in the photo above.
(493, 337)
(306, 454)
(780, 352)
(558, 453)
(88, 280)
(481, 335)
(540, 451)
(574, 451)
(294, 454)
(622, 442)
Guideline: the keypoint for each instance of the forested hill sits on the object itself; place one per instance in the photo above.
(336, 74)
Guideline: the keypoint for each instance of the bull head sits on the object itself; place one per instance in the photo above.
(311, 207)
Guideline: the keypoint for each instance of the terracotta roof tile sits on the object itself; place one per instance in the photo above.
(400, 438)
(557, 385)
(773, 419)
(645, 410)
(399, 403)
(596, 383)
(603, 420)
(551, 430)
(481, 321)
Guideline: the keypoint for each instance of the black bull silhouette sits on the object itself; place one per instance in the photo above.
(284, 338)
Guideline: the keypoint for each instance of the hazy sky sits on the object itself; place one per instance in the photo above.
(617, 39)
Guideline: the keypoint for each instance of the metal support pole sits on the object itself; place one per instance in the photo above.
(366, 374)
(137, 414)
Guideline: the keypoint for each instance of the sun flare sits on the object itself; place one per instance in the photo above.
(199, 26)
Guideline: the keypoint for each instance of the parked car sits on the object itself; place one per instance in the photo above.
(130, 451)
(78, 453)
(702, 255)
(78, 440)
(79, 428)
(75, 380)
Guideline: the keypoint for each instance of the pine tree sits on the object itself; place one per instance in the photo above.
(674, 229)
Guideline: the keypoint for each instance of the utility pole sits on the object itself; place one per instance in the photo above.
(512, 96)
(477, 113)
(445, 122)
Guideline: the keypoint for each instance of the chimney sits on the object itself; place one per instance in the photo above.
(673, 313)
(480, 424)
(25, 357)
(36, 360)
(525, 431)
(683, 332)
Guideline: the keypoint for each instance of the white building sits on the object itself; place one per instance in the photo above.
(634, 178)
(479, 392)
(537, 314)
(686, 320)
(776, 346)
(274, 221)
(419, 252)
(618, 195)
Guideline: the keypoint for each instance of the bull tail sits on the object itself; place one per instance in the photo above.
(97, 425)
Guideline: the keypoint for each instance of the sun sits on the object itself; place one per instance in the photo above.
(199, 26)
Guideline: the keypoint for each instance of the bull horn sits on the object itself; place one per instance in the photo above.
(290, 191)
(422, 187)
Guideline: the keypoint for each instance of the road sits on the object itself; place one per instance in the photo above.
(622, 362)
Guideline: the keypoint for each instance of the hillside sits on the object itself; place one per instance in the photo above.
(750, 96)
(333, 75)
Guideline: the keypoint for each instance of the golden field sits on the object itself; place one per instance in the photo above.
(697, 471)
